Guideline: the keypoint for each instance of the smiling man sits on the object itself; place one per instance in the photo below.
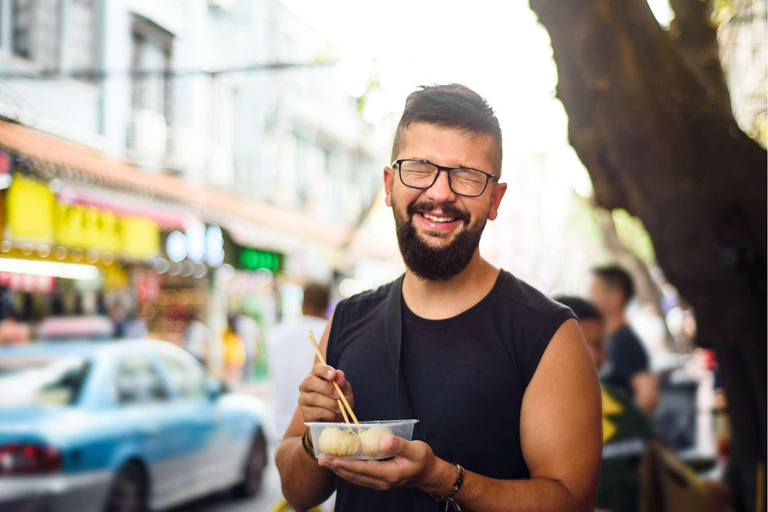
(498, 375)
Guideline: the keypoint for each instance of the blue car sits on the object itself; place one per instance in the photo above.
(120, 426)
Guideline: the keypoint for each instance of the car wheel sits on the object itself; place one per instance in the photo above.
(253, 474)
(129, 490)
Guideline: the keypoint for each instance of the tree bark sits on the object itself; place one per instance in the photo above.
(651, 128)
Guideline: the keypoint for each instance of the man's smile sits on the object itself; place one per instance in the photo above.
(437, 222)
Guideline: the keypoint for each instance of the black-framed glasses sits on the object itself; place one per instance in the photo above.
(422, 174)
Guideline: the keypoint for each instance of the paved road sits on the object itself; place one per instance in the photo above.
(225, 502)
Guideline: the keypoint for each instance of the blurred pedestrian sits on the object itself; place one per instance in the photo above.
(250, 333)
(11, 331)
(234, 351)
(197, 338)
(291, 356)
(119, 321)
(135, 326)
(626, 429)
(627, 364)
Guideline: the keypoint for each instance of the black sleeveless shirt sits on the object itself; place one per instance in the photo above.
(463, 378)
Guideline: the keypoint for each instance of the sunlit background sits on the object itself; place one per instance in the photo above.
(167, 158)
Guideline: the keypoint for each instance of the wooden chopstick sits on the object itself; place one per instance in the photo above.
(313, 341)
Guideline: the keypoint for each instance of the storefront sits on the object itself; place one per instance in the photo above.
(60, 256)
(177, 284)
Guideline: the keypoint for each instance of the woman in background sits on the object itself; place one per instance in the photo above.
(234, 351)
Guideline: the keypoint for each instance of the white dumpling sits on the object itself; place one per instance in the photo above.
(340, 443)
(372, 440)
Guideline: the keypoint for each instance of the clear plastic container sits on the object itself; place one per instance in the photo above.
(358, 442)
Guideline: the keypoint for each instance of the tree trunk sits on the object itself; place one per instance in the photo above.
(648, 119)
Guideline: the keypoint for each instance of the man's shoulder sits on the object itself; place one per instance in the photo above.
(520, 296)
(368, 299)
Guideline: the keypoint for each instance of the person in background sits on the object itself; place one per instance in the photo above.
(197, 338)
(119, 320)
(626, 429)
(250, 333)
(291, 355)
(11, 331)
(135, 326)
(234, 351)
(627, 364)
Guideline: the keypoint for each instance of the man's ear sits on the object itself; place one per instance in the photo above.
(389, 181)
(497, 194)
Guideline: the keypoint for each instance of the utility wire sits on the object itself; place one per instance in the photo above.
(101, 74)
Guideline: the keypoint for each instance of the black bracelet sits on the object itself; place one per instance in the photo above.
(448, 498)
(307, 444)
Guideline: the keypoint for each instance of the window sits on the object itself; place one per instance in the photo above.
(54, 380)
(151, 61)
(36, 31)
(138, 381)
(186, 377)
(81, 35)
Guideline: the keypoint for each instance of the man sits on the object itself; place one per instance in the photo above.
(197, 338)
(626, 429)
(626, 365)
(497, 374)
(291, 355)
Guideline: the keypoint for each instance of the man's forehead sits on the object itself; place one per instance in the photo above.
(449, 146)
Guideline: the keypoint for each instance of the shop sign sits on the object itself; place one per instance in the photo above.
(33, 212)
(200, 243)
(254, 259)
(30, 209)
(27, 283)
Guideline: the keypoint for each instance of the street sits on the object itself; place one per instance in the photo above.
(226, 502)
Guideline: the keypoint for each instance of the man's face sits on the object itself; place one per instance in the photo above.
(594, 334)
(606, 298)
(432, 249)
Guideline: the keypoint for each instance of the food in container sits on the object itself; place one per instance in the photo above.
(338, 442)
(372, 440)
(361, 441)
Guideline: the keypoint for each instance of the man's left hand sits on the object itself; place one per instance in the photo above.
(414, 466)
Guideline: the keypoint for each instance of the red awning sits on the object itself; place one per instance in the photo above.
(77, 163)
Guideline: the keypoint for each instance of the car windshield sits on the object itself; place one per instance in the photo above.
(41, 380)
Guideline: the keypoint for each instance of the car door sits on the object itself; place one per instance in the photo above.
(144, 401)
(208, 451)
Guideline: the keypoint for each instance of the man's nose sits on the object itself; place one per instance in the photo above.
(441, 191)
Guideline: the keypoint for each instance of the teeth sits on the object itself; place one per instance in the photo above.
(438, 219)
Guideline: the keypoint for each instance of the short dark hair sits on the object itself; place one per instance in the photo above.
(582, 308)
(453, 106)
(617, 277)
(316, 297)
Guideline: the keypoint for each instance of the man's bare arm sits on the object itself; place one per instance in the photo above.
(645, 388)
(560, 433)
(305, 484)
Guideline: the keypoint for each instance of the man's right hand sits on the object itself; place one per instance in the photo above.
(317, 395)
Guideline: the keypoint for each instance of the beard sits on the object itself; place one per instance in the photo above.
(436, 263)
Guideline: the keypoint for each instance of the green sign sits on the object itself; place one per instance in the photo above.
(253, 259)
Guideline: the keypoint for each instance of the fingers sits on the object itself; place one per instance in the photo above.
(367, 474)
(313, 384)
(318, 400)
(318, 396)
(318, 414)
(344, 385)
(396, 446)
